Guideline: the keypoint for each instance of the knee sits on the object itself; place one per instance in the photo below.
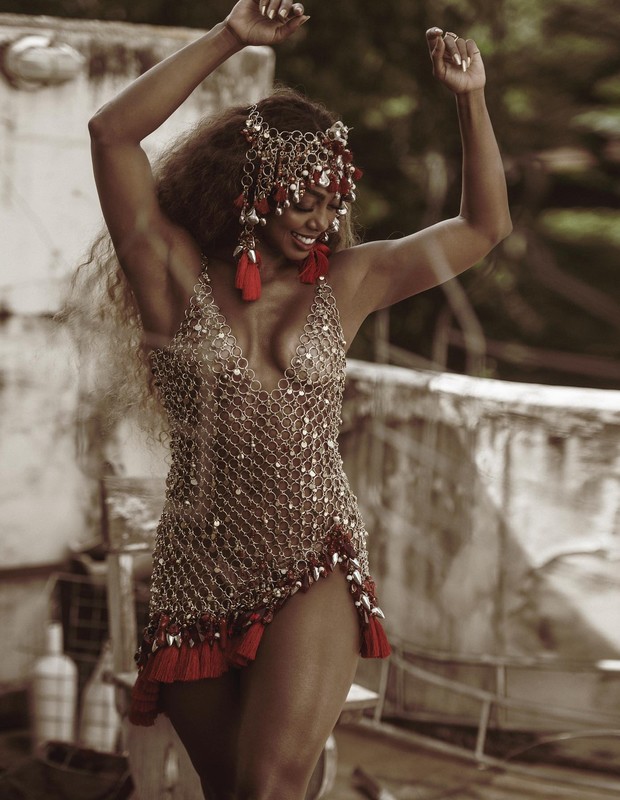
(284, 781)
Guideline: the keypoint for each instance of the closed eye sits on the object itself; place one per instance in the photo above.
(308, 210)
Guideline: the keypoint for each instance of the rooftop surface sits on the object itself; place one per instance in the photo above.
(402, 771)
(407, 772)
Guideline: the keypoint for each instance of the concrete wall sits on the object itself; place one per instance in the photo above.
(494, 512)
(48, 214)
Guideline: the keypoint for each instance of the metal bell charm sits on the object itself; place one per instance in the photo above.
(377, 612)
(252, 217)
(365, 601)
(357, 577)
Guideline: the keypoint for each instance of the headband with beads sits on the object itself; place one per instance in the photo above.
(279, 167)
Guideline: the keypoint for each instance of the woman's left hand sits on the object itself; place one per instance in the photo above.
(457, 62)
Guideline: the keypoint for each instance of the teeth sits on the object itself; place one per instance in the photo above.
(304, 239)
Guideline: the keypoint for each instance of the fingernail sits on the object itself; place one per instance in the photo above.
(283, 13)
(271, 14)
(457, 58)
(464, 66)
(468, 61)
(263, 10)
(304, 20)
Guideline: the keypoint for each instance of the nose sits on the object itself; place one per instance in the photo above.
(320, 220)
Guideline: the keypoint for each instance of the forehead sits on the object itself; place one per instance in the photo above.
(320, 194)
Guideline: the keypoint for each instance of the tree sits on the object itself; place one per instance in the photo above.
(545, 303)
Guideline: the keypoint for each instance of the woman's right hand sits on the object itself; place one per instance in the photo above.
(265, 21)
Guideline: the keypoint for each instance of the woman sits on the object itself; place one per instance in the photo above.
(248, 362)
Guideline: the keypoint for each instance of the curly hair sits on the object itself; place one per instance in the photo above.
(197, 180)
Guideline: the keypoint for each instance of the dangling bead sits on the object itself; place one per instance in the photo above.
(316, 265)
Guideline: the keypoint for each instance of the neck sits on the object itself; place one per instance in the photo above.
(274, 265)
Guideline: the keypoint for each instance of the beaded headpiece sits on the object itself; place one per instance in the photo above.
(280, 166)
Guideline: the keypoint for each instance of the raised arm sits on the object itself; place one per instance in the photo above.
(394, 270)
(146, 242)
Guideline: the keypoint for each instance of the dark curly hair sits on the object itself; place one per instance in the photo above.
(199, 178)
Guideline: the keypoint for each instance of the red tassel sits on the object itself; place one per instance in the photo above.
(316, 265)
(245, 651)
(242, 268)
(263, 206)
(212, 660)
(281, 194)
(248, 277)
(165, 662)
(374, 640)
(144, 702)
(239, 201)
(188, 667)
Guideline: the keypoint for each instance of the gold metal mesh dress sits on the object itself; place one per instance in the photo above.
(257, 505)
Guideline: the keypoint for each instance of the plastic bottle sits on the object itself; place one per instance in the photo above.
(53, 692)
(100, 721)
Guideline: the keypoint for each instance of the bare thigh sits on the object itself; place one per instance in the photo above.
(206, 714)
(293, 693)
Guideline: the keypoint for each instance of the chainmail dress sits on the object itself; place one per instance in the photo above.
(257, 503)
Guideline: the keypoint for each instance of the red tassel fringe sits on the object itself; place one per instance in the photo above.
(374, 640)
(245, 652)
(316, 265)
(223, 648)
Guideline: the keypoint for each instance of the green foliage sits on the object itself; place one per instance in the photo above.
(583, 226)
(554, 94)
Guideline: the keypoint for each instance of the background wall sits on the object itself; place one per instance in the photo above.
(48, 214)
(494, 512)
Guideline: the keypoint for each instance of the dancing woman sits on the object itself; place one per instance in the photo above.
(241, 261)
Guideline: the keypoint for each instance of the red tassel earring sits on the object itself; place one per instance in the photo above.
(248, 275)
(248, 266)
(316, 264)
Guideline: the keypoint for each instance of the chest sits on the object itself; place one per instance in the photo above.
(261, 354)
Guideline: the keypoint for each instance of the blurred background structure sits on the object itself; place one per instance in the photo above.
(545, 306)
(493, 505)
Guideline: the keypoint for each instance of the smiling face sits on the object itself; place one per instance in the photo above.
(296, 231)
